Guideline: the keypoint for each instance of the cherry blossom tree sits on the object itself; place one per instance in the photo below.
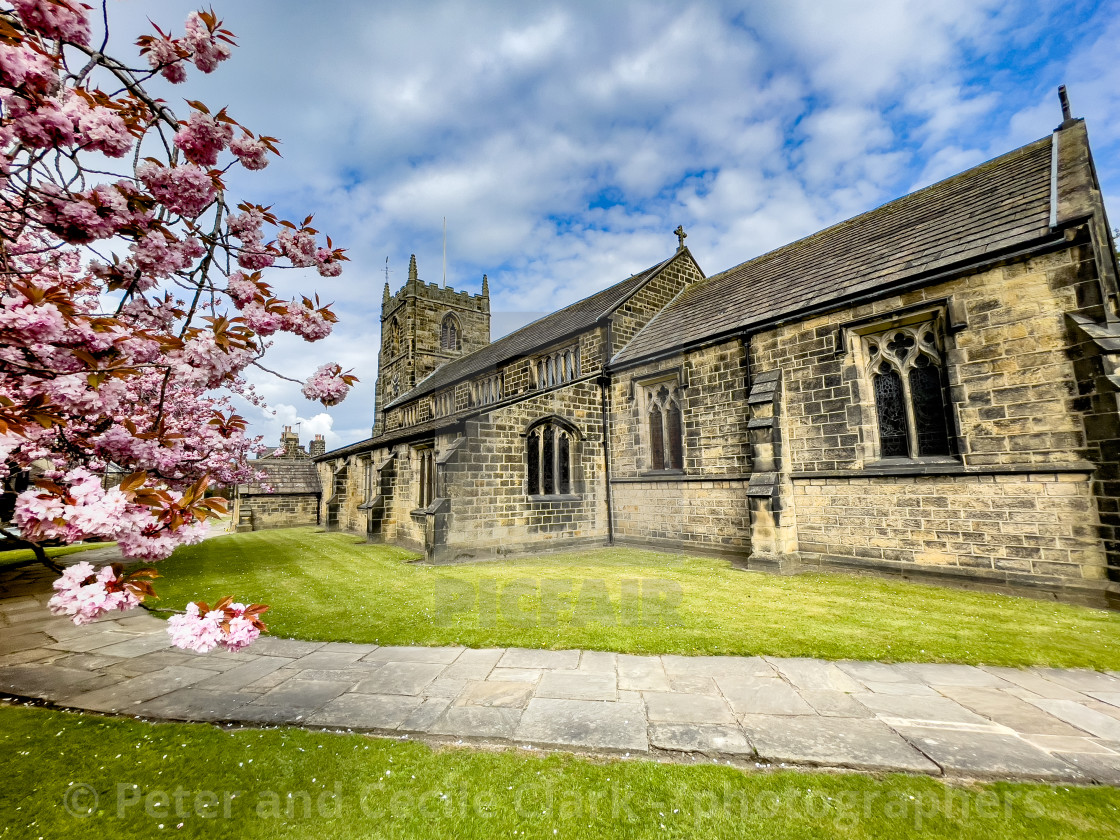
(132, 302)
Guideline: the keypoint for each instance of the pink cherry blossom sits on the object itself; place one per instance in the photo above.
(185, 189)
(193, 631)
(326, 385)
(85, 593)
(163, 55)
(208, 50)
(252, 153)
(62, 20)
(298, 246)
(202, 137)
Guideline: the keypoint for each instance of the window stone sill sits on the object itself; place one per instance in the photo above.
(556, 497)
(943, 466)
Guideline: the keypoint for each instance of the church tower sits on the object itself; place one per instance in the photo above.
(422, 327)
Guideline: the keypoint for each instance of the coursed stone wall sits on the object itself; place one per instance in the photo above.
(1025, 509)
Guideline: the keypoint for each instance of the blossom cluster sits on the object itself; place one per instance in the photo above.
(328, 384)
(85, 593)
(229, 625)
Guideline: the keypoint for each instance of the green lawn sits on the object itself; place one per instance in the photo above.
(333, 587)
(79, 776)
(25, 555)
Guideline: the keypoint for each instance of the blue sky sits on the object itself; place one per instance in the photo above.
(564, 141)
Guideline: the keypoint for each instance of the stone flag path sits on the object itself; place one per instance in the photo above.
(951, 720)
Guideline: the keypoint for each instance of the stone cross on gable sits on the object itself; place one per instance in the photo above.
(680, 237)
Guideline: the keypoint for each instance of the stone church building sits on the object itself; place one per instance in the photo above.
(927, 390)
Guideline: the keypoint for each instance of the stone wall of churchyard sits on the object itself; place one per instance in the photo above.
(1016, 501)
(276, 510)
(486, 478)
(706, 504)
(653, 296)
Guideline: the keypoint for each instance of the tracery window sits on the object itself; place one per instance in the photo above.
(663, 416)
(905, 366)
(449, 333)
(548, 459)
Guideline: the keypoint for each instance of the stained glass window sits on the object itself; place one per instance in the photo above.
(908, 383)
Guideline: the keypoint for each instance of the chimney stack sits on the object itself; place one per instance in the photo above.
(318, 446)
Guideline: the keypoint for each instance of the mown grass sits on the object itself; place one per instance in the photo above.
(79, 776)
(333, 587)
(26, 555)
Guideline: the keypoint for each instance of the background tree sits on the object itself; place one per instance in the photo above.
(132, 301)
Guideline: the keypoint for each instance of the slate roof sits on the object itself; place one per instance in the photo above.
(285, 475)
(581, 315)
(992, 208)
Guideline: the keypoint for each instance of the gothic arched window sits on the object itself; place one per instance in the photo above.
(663, 413)
(394, 339)
(548, 458)
(449, 333)
(906, 372)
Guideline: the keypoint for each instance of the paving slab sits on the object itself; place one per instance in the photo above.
(833, 742)
(124, 696)
(691, 684)
(22, 657)
(598, 661)
(879, 672)
(43, 680)
(814, 674)
(245, 674)
(667, 707)
(1080, 679)
(480, 656)
(424, 716)
(467, 671)
(288, 648)
(578, 685)
(1112, 698)
(512, 695)
(583, 723)
(1008, 710)
(762, 696)
(543, 659)
(642, 673)
(195, 704)
(1033, 682)
(366, 711)
(987, 755)
(900, 689)
(427, 655)
(91, 640)
(1071, 744)
(719, 740)
(302, 694)
(718, 666)
(1089, 720)
(1102, 769)
(946, 674)
(24, 641)
(326, 660)
(835, 704)
(138, 646)
(516, 674)
(938, 709)
(349, 647)
(442, 687)
(400, 678)
(477, 722)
